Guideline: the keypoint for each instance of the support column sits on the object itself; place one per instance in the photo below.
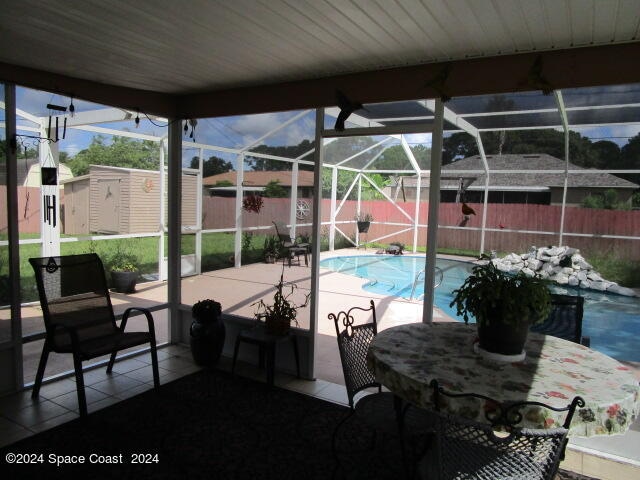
(434, 205)
(318, 159)
(174, 195)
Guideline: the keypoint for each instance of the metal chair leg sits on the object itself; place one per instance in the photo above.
(40, 374)
(235, 355)
(82, 399)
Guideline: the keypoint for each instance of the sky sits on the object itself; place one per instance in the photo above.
(236, 131)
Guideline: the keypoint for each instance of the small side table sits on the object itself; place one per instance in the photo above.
(267, 345)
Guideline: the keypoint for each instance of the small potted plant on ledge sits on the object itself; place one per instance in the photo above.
(504, 306)
(279, 315)
(207, 332)
(123, 265)
(364, 222)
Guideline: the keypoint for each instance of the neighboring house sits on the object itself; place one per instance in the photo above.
(118, 200)
(256, 181)
(518, 186)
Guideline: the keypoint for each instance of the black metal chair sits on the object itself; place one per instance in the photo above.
(381, 411)
(565, 319)
(78, 317)
(292, 247)
(498, 449)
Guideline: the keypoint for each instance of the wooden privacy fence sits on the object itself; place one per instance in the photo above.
(455, 232)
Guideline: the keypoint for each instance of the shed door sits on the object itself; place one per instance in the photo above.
(109, 206)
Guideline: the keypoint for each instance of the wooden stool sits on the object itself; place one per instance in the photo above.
(267, 344)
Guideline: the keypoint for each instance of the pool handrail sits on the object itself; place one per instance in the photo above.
(439, 276)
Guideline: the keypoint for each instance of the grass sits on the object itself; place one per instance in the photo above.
(616, 269)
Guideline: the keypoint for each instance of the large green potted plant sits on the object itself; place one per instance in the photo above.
(504, 306)
(280, 314)
(123, 265)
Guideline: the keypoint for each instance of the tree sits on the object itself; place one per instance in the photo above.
(607, 154)
(286, 151)
(273, 189)
(458, 145)
(630, 158)
(608, 201)
(212, 166)
(345, 179)
(121, 152)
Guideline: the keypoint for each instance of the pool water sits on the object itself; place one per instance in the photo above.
(612, 321)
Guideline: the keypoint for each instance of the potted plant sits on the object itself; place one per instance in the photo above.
(279, 315)
(271, 249)
(124, 270)
(364, 222)
(504, 306)
(207, 332)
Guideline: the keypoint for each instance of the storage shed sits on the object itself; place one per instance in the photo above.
(116, 200)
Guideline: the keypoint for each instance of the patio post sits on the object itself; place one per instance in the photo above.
(434, 205)
(174, 194)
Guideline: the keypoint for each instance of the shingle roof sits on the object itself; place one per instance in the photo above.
(262, 178)
(519, 178)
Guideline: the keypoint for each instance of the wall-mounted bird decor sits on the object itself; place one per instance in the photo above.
(535, 78)
(467, 210)
(438, 81)
(347, 107)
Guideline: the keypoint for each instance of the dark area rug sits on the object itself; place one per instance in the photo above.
(210, 425)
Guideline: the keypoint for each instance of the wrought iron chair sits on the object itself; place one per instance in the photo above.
(78, 317)
(293, 248)
(565, 319)
(498, 449)
(382, 411)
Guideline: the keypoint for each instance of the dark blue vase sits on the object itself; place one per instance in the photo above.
(207, 340)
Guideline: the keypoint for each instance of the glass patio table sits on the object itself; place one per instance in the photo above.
(406, 358)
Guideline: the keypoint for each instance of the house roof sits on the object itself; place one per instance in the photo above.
(195, 59)
(471, 168)
(262, 178)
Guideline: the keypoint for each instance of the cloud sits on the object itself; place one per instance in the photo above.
(619, 134)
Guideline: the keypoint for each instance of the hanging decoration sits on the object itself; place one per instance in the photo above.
(252, 203)
(57, 108)
(192, 122)
(54, 125)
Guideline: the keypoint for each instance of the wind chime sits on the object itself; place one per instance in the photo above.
(49, 173)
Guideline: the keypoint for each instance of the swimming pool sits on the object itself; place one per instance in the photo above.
(612, 321)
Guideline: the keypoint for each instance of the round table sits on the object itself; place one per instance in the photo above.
(406, 358)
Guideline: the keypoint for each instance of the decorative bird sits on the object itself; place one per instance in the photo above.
(467, 210)
(438, 80)
(347, 107)
(535, 78)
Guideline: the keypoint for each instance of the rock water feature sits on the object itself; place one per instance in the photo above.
(563, 265)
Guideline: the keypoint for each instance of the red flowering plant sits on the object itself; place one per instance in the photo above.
(252, 203)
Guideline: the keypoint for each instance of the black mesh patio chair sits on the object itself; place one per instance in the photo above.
(292, 247)
(78, 317)
(498, 449)
(565, 319)
(381, 411)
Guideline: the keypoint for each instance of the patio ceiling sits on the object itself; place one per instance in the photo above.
(218, 57)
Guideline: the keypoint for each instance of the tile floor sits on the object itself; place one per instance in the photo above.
(22, 417)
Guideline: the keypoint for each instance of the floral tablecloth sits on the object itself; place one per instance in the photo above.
(407, 357)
